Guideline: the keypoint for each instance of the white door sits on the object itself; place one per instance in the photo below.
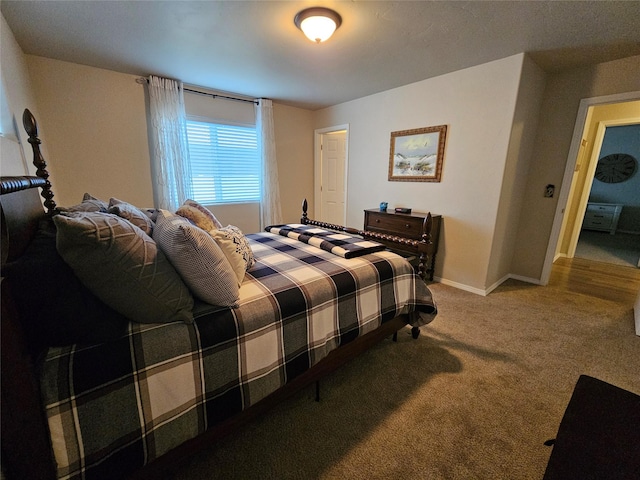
(332, 175)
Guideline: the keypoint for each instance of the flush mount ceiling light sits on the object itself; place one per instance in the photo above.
(317, 23)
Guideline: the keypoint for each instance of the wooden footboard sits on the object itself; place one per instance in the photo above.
(420, 247)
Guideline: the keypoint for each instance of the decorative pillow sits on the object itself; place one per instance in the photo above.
(236, 247)
(152, 213)
(200, 261)
(123, 267)
(199, 215)
(133, 214)
(89, 204)
(55, 308)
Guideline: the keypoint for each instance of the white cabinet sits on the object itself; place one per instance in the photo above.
(602, 216)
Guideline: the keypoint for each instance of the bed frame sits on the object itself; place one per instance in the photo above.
(26, 448)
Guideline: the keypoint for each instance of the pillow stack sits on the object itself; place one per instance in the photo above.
(230, 239)
(198, 258)
(148, 265)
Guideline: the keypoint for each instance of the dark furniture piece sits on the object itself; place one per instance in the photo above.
(599, 435)
(409, 225)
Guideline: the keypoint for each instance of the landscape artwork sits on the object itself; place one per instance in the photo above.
(417, 155)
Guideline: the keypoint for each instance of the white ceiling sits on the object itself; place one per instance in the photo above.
(253, 48)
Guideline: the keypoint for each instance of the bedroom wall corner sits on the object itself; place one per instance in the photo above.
(519, 156)
(294, 150)
(19, 94)
(559, 109)
(477, 105)
(96, 124)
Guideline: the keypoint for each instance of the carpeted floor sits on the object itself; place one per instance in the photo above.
(619, 249)
(474, 397)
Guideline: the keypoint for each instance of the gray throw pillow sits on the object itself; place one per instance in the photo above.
(131, 213)
(123, 267)
(89, 204)
(200, 261)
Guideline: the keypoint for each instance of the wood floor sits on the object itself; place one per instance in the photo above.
(598, 279)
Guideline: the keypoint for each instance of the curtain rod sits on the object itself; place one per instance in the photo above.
(215, 95)
(143, 80)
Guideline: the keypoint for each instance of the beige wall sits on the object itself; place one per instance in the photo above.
(294, 149)
(519, 157)
(96, 123)
(18, 93)
(553, 139)
(478, 105)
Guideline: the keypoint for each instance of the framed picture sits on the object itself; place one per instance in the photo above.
(417, 155)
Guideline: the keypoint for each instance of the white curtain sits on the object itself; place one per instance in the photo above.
(171, 169)
(270, 211)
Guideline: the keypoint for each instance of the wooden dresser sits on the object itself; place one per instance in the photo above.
(407, 225)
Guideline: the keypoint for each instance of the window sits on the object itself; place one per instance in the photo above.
(225, 164)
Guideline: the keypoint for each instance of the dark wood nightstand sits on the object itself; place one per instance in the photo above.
(407, 225)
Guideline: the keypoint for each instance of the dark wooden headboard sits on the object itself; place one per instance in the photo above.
(23, 419)
(20, 205)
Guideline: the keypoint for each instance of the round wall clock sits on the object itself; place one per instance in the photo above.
(615, 168)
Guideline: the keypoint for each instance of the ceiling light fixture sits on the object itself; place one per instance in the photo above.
(318, 23)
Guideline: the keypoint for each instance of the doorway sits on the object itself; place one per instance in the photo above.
(330, 174)
(611, 227)
(580, 168)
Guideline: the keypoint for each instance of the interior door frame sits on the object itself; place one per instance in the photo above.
(593, 162)
(567, 179)
(317, 166)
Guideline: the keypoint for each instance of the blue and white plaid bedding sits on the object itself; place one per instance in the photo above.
(114, 407)
(347, 246)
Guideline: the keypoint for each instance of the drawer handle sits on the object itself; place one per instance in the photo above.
(407, 225)
(377, 220)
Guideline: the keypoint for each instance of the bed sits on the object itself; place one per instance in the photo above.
(119, 394)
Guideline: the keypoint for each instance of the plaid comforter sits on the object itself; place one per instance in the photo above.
(347, 246)
(114, 407)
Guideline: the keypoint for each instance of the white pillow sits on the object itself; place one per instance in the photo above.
(199, 215)
(236, 248)
(199, 260)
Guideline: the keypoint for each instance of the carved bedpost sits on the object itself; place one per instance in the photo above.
(425, 239)
(304, 217)
(29, 122)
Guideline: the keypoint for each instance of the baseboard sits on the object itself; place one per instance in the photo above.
(460, 286)
(487, 291)
(630, 232)
(559, 255)
(535, 281)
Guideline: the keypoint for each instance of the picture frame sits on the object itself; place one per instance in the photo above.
(417, 155)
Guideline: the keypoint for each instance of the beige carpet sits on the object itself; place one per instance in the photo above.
(619, 249)
(474, 397)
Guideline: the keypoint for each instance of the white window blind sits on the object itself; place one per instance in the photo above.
(225, 164)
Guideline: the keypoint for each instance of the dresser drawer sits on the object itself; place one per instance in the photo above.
(601, 208)
(602, 216)
(596, 219)
(409, 227)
